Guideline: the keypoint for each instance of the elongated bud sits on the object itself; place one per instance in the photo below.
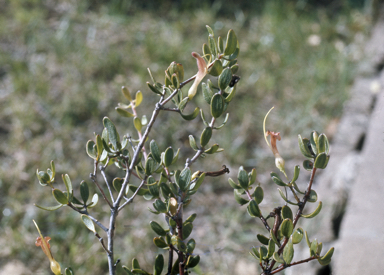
(173, 206)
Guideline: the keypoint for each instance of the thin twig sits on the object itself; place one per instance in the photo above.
(85, 212)
(102, 171)
(94, 179)
(134, 194)
(261, 217)
(282, 267)
(102, 242)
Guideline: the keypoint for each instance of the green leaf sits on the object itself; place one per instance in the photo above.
(191, 246)
(277, 180)
(303, 145)
(314, 139)
(84, 191)
(314, 213)
(99, 146)
(165, 190)
(312, 196)
(206, 52)
(141, 192)
(326, 259)
(123, 112)
(263, 251)
(313, 248)
(137, 123)
(235, 54)
(95, 200)
(233, 184)
(286, 212)
(49, 208)
(220, 44)
(191, 218)
(288, 252)
(112, 132)
(135, 264)
(212, 45)
(192, 115)
(157, 228)
(242, 177)
(183, 103)
(197, 184)
(321, 161)
(217, 105)
(43, 177)
(273, 237)
(213, 149)
(271, 249)
(238, 198)
(323, 144)
(160, 206)
(192, 142)
(150, 166)
(224, 122)
(205, 136)
(155, 151)
(159, 242)
(297, 188)
(255, 253)
(91, 149)
(284, 198)
(69, 271)
(286, 227)
(175, 81)
(225, 78)
(53, 169)
(154, 89)
(231, 94)
(264, 240)
(308, 165)
(117, 183)
(187, 230)
(216, 68)
(193, 261)
(88, 223)
(140, 271)
(207, 92)
(185, 179)
(139, 98)
(153, 187)
(175, 240)
(297, 236)
(203, 116)
(209, 30)
(231, 43)
(60, 196)
(277, 258)
(159, 265)
(126, 269)
(296, 173)
(253, 209)
(168, 157)
(126, 93)
(235, 68)
(307, 239)
(68, 186)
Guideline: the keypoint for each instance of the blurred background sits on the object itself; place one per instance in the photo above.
(62, 65)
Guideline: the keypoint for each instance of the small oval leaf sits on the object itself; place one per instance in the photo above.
(88, 223)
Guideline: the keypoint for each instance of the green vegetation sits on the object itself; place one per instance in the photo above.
(61, 69)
